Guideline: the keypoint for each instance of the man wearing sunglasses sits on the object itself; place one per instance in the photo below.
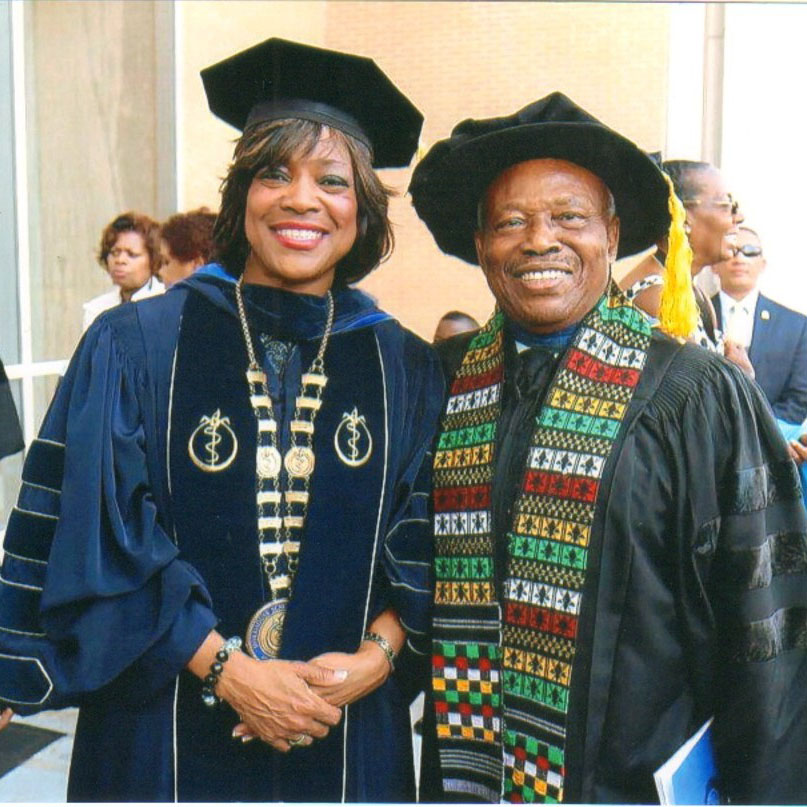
(775, 336)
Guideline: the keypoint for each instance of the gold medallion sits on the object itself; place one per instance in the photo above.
(268, 462)
(265, 630)
(299, 461)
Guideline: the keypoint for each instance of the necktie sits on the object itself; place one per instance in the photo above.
(737, 326)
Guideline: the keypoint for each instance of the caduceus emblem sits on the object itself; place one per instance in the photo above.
(352, 439)
(216, 439)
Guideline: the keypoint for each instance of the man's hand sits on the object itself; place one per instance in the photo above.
(5, 718)
(798, 449)
(737, 354)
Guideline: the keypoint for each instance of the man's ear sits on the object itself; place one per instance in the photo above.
(613, 238)
(479, 241)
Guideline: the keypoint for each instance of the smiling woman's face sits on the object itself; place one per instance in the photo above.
(547, 243)
(300, 219)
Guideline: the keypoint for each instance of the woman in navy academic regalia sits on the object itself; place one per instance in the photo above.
(220, 551)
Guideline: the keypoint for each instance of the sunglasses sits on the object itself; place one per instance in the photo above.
(730, 204)
(749, 250)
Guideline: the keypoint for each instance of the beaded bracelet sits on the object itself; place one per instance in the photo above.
(209, 697)
(389, 652)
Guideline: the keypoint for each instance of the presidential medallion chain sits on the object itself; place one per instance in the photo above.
(281, 509)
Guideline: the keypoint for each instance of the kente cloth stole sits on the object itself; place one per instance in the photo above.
(502, 671)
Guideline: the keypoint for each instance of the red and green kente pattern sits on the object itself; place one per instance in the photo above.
(502, 669)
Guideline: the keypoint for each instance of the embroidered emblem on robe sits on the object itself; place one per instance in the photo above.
(213, 445)
(352, 439)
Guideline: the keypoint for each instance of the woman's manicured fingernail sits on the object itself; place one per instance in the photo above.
(340, 675)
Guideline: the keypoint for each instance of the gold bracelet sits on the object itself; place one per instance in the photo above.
(389, 652)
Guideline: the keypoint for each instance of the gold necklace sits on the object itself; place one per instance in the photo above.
(281, 512)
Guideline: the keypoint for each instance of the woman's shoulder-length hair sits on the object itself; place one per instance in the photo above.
(273, 143)
(189, 236)
(132, 222)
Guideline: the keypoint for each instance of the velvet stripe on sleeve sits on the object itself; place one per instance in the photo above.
(90, 580)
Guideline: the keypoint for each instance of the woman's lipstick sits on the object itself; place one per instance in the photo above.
(295, 235)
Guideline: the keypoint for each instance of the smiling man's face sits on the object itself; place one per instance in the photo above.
(548, 239)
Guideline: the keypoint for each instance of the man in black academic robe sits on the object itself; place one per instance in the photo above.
(619, 535)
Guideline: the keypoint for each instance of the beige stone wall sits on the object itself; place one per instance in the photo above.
(455, 60)
(92, 149)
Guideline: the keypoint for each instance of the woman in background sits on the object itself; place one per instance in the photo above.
(186, 243)
(712, 218)
(130, 254)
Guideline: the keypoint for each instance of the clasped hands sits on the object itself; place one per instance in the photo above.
(282, 701)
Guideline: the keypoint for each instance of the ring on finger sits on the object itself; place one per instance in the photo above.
(300, 739)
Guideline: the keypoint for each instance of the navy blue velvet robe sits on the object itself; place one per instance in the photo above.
(121, 554)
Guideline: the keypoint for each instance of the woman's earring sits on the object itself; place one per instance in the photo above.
(687, 227)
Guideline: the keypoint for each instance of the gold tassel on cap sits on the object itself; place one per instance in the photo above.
(678, 314)
(422, 150)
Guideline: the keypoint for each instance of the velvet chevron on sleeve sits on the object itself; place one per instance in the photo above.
(706, 578)
(91, 583)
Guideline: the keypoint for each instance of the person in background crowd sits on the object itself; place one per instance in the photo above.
(774, 336)
(619, 533)
(453, 323)
(186, 243)
(11, 440)
(242, 463)
(130, 254)
(712, 217)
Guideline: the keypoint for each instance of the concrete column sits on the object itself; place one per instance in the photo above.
(713, 56)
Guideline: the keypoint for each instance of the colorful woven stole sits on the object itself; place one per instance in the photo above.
(502, 671)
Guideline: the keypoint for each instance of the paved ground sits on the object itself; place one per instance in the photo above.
(42, 777)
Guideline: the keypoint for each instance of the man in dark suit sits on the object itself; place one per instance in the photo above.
(776, 337)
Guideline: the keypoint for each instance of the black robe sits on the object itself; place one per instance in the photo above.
(696, 597)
